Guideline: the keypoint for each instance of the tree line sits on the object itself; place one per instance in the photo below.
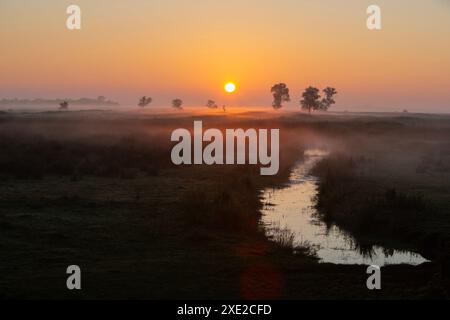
(311, 98)
(311, 101)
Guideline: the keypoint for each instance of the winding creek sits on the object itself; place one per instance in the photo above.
(292, 208)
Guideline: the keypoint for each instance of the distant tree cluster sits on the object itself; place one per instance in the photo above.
(64, 105)
(177, 104)
(211, 104)
(312, 100)
(145, 101)
(101, 101)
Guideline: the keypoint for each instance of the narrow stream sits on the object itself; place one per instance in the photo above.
(292, 208)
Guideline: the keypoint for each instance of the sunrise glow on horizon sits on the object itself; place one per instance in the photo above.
(189, 49)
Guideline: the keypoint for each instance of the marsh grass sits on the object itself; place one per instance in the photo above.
(229, 204)
(26, 157)
(283, 238)
(371, 210)
(99, 189)
(286, 241)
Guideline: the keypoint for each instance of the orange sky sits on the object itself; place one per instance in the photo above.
(190, 48)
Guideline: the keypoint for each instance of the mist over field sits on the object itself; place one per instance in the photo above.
(98, 188)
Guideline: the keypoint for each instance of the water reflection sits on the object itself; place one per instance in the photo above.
(292, 211)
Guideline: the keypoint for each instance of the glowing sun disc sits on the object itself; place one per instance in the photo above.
(230, 87)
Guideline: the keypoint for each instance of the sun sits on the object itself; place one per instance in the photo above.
(230, 87)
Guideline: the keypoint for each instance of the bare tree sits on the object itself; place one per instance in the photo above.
(177, 104)
(280, 94)
(310, 100)
(145, 101)
(211, 104)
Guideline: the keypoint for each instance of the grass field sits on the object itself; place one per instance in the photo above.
(97, 189)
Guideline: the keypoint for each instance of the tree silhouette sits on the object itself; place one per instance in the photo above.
(310, 100)
(328, 100)
(280, 94)
(145, 101)
(177, 104)
(64, 105)
(211, 104)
